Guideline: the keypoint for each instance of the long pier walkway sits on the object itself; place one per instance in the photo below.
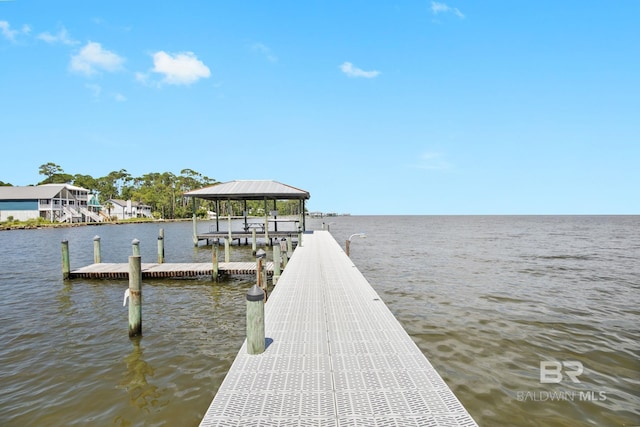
(336, 356)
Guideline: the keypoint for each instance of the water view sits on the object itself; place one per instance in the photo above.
(530, 320)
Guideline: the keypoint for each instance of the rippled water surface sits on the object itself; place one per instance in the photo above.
(487, 299)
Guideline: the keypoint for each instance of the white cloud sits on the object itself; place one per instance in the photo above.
(142, 78)
(437, 8)
(264, 50)
(9, 34)
(61, 37)
(180, 69)
(119, 97)
(92, 58)
(350, 70)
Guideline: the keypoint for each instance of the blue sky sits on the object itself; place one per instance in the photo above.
(406, 107)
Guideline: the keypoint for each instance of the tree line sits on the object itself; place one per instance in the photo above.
(163, 191)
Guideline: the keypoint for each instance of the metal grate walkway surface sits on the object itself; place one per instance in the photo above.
(336, 356)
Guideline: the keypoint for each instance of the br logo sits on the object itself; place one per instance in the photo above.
(551, 371)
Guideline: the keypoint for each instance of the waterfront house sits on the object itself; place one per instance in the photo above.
(126, 209)
(52, 202)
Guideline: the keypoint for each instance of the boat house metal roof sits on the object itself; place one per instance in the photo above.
(249, 190)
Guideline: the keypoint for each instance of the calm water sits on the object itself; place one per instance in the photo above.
(486, 299)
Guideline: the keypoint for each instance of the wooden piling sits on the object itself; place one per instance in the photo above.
(284, 254)
(195, 225)
(66, 268)
(255, 320)
(214, 261)
(97, 257)
(135, 296)
(135, 246)
(261, 277)
(276, 263)
(161, 246)
(254, 241)
(227, 250)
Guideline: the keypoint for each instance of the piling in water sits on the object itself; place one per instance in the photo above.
(254, 242)
(195, 226)
(284, 254)
(66, 268)
(261, 276)
(97, 258)
(255, 320)
(161, 246)
(214, 261)
(135, 247)
(135, 296)
(276, 263)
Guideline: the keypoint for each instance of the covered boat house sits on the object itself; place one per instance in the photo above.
(244, 226)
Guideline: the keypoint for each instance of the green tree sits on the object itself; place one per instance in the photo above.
(112, 185)
(156, 190)
(85, 181)
(54, 174)
(187, 181)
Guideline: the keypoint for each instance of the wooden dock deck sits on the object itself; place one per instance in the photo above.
(166, 270)
(336, 356)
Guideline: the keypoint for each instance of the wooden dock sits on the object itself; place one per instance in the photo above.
(335, 356)
(166, 270)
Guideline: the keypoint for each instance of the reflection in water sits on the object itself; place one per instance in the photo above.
(142, 395)
(64, 298)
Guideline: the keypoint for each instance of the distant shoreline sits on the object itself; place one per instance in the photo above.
(23, 226)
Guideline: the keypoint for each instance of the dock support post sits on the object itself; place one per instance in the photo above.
(195, 226)
(96, 250)
(227, 251)
(135, 296)
(135, 246)
(161, 246)
(348, 243)
(255, 320)
(66, 269)
(214, 260)
(283, 252)
(289, 247)
(276, 263)
(254, 242)
(261, 275)
(266, 223)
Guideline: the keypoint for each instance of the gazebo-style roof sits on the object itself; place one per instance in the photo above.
(244, 190)
(249, 190)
